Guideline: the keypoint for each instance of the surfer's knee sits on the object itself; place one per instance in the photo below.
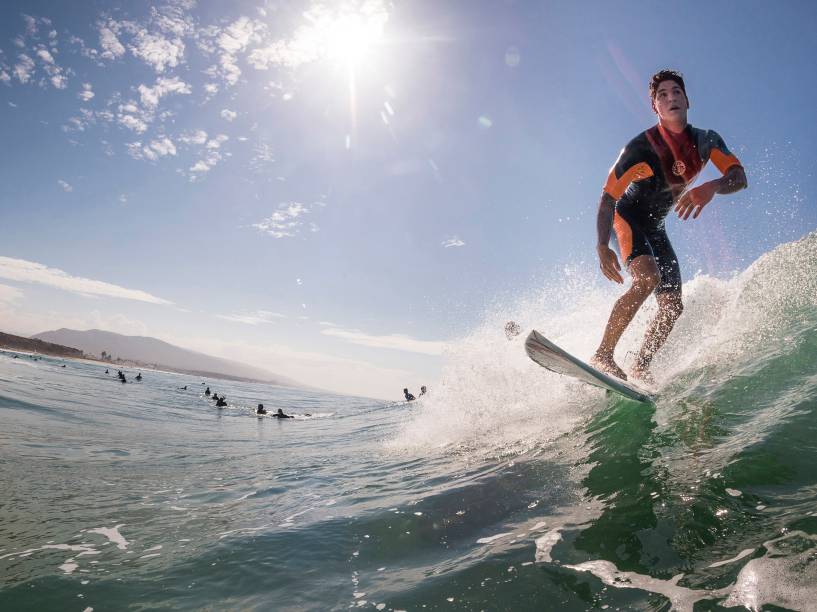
(646, 281)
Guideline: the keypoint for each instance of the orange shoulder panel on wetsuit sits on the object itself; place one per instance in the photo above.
(616, 186)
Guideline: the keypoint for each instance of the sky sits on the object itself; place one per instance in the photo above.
(338, 191)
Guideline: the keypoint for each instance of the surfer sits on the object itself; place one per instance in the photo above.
(221, 402)
(207, 391)
(139, 376)
(423, 391)
(651, 176)
(280, 415)
(409, 397)
(261, 409)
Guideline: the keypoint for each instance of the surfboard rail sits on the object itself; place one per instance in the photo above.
(551, 357)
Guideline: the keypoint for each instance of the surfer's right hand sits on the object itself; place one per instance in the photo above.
(608, 262)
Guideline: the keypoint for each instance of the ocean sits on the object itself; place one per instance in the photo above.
(505, 488)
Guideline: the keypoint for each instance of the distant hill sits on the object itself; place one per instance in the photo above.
(19, 343)
(153, 352)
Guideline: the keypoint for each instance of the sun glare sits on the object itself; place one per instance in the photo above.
(350, 39)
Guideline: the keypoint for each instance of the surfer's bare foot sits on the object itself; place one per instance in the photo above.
(606, 364)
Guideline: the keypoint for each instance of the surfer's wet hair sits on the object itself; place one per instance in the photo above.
(666, 75)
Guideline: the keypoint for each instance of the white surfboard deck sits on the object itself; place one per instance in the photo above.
(551, 357)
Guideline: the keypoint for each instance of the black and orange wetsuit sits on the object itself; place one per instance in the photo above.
(651, 172)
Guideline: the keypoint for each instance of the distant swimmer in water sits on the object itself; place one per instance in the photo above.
(207, 392)
(139, 377)
(409, 396)
(261, 409)
(63, 365)
(280, 415)
(183, 388)
(215, 397)
(106, 370)
(423, 391)
(221, 402)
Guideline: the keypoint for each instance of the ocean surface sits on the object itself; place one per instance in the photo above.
(506, 488)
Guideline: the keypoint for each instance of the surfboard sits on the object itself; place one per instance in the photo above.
(555, 359)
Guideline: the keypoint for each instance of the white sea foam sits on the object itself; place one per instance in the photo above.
(738, 557)
(112, 533)
(493, 538)
(545, 544)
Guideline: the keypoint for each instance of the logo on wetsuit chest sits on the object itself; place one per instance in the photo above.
(679, 167)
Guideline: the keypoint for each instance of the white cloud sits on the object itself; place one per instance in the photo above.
(215, 143)
(24, 68)
(87, 92)
(398, 342)
(163, 146)
(452, 242)
(253, 318)
(151, 95)
(235, 37)
(31, 272)
(200, 166)
(228, 114)
(31, 24)
(283, 222)
(111, 47)
(9, 294)
(133, 123)
(45, 55)
(65, 186)
(157, 51)
(196, 137)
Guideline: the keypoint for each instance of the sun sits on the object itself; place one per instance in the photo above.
(350, 39)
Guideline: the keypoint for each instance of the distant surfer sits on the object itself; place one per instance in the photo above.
(261, 409)
(106, 370)
(409, 397)
(215, 396)
(222, 401)
(423, 391)
(280, 415)
(207, 392)
(139, 376)
(651, 176)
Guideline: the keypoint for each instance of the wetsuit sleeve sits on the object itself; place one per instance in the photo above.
(718, 152)
(630, 166)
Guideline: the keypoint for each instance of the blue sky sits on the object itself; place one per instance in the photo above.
(206, 173)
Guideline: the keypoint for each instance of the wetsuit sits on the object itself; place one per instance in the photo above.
(651, 173)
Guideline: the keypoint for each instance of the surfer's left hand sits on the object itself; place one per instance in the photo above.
(694, 200)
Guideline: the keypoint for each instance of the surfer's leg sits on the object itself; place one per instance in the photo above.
(646, 277)
(670, 306)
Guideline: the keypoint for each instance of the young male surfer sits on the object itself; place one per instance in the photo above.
(651, 176)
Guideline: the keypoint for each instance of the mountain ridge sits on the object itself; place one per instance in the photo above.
(162, 354)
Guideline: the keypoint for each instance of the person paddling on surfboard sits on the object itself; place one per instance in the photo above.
(650, 177)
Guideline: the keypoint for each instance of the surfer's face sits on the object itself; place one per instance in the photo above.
(670, 102)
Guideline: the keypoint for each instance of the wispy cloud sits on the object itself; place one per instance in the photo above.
(31, 272)
(65, 186)
(285, 222)
(454, 241)
(253, 318)
(9, 294)
(398, 342)
(87, 92)
(228, 114)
